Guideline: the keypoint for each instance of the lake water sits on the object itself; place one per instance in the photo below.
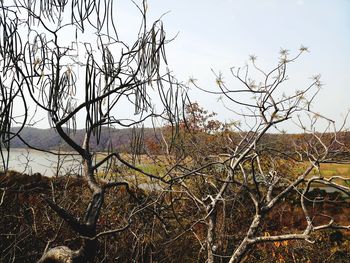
(32, 161)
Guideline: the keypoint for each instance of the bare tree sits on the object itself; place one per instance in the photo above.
(93, 81)
(249, 164)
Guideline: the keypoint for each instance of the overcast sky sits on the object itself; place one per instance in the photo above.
(223, 33)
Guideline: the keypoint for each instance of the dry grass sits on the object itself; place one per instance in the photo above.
(332, 169)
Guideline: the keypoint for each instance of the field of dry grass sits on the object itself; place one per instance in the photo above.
(331, 169)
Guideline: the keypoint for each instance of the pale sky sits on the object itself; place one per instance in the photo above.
(223, 33)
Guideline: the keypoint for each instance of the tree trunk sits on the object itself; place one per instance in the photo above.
(242, 249)
(211, 236)
(87, 252)
(240, 252)
(87, 231)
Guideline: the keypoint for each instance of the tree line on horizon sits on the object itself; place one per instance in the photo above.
(48, 139)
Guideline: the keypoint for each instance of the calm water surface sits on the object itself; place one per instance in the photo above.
(31, 161)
